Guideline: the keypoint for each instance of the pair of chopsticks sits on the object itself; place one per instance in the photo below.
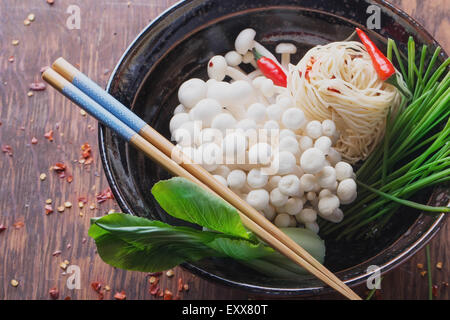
(101, 105)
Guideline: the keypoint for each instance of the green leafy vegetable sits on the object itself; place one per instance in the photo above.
(133, 243)
(185, 200)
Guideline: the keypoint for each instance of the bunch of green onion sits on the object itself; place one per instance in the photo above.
(414, 154)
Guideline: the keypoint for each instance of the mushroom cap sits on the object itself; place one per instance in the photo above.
(293, 118)
(256, 178)
(244, 40)
(312, 160)
(236, 179)
(286, 48)
(258, 199)
(191, 92)
(217, 68)
(257, 111)
(205, 110)
(233, 58)
(260, 153)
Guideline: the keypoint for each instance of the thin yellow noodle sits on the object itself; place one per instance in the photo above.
(360, 106)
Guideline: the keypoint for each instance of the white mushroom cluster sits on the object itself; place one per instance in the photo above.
(249, 134)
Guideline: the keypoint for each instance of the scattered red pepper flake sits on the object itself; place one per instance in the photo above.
(186, 287)
(54, 293)
(11, 59)
(50, 2)
(18, 224)
(48, 209)
(154, 289)
(34, 140)
(60, 169)
(56, 253)
(120, 295)
(180, 284)
(37, 86)
(435, 290)
(69, 179)
(168, 295)
(104, 195)
(96, 285)
(3, 227)
(49, 135)
(6, 148)
(67, 298)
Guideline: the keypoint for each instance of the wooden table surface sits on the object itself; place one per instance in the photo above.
(26, 253)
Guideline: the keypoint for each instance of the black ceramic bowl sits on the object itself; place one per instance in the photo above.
(176, 46)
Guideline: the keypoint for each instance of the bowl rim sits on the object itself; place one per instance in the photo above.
(352, 281)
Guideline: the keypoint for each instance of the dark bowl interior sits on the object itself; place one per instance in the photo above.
(177, 46)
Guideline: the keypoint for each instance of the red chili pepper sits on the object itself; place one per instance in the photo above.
(270, 69)
(382, 65)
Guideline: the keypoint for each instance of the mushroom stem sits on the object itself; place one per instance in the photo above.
(285, 60)
(235, 74)
(255, 73)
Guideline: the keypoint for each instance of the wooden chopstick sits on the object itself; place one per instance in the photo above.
(160, 149)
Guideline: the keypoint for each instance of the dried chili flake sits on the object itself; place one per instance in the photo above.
(18, 224)
(153, 280)
(180, 284)
(50, 2)
(54, 293)
(69, 179)
(48, 209)
(97, 286)
(104, 195)
(170, 273)
(34, 140)
(420, 266)
(120, 295)
(154, 289)
(11, 59)
(439, 265)
(60, 169)
(168, 295)
(37, 86)
(186, 287)
(49, 135)
(435, 290)
(56, 253)
(67, 298)
(2, 227)
(6, 148)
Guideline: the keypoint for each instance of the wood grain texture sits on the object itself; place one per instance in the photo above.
(26, 253)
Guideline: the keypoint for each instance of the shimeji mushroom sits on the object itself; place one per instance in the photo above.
(314, 129)
(277, 198)
(180, 109)
(233, 58)
(257, 112)
(249, 58)
(290, 185)
(328, 128)
(305, 143)
(285, 49)
(256, 179)
(178, 120)
(191, 92)
(312, 226)
(273, 182)
(267, 88)
(271, 125)
(343, 171)
(346, 191)
(324, 144)
(308, 182)
(325, 193)
(258, 199)
(210, 155)
(284, 101)
(290, 144)
(312, 160)
(282, 220)
(218, 69)
(306, 215)
(333, 156)
(186, 133)
(336, 217)
(327, 177)
(234, 146)
(246, 125)
(293, 206)
(293, 118)
(223, 171)
(205, 110)
(244, 41)
(269, 212)
(328, 204)
(286, 133)
(209, 135)
(285, 162)
(221, 179)
(236, 179)
(274, 112)
(223, 121)
(260, 153)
